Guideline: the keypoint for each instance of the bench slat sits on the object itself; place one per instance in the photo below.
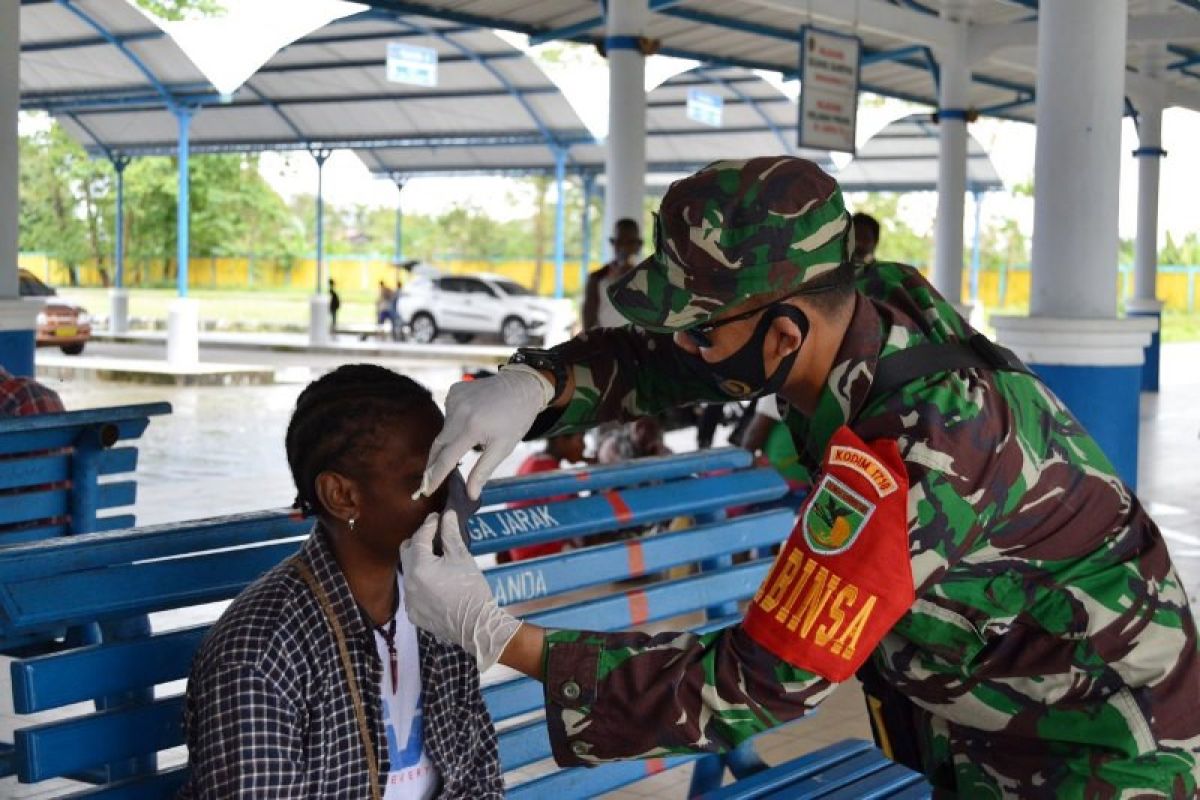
(658, 601)
(492, 531)
(92, 550)
(54, 680)
(19, 473)
(583, 782)
(556, 574)
(630, 473)
(791, 771)
(116, 494)
(29, 506)
(839, 776)
(58, 436)
(25, 536)
(152, 787)
(68, 746)
(883, 784)
(51, 600)
(87, 416)
(114, 523)
(524, 744)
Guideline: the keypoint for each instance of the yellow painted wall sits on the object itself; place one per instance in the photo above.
(364, 274)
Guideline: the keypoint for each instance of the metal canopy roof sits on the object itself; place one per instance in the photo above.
(903, 157)
(90, 54)
(899, 38)
(327, 90)
(758, 120)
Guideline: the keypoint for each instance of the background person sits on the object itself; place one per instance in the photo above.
(866, 238)
(598, 311)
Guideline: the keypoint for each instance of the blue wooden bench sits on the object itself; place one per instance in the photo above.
(47, 585)
(62, 475)
(58, 472)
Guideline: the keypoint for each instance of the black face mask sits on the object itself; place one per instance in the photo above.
(742, 374)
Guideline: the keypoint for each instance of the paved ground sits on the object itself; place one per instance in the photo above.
(197, 460)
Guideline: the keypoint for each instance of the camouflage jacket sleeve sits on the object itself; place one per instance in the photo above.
(623, 373)
(613, 696)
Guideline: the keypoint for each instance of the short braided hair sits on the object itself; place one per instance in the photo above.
(340, 417)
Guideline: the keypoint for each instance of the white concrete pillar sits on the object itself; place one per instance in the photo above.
(625, 151)
(16, 317)
(118, 310)
(1144, 302)
(10, 99)
(1077, 161)
(1149, 155)
(1072, 338)
(953, 97)
(183, 332)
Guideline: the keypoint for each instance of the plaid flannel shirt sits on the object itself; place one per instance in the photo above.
(25, 397)
(269, 712)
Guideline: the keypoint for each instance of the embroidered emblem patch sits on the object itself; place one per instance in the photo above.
(835, 517)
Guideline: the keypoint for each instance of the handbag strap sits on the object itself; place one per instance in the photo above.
(348, 667)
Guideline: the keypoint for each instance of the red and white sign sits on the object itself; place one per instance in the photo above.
(829, 65)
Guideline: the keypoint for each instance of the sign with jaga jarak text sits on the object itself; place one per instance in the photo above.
(829, 66)
(407, 63)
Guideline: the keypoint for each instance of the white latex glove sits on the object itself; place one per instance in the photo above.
(448, 596)
(494, 413)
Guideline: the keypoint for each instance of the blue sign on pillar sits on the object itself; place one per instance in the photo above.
(408, 63)
(705, 108)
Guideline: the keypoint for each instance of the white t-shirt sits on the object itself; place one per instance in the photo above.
(771, 406)
(412, 776)
(607, 315)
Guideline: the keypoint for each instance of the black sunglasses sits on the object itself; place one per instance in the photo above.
(701, 335)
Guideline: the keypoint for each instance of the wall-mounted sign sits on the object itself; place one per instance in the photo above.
(704, 107)
(409, 64)
(829, 67)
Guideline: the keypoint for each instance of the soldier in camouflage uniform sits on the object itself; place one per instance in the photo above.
(1044, 643)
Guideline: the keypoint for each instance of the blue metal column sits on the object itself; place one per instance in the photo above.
(978, 198)
(119, 164)
(585, 260)
(560, 218)
(320, 156)
(399, 249)
(182, 220)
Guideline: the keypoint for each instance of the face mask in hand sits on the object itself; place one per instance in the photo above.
(742, 374)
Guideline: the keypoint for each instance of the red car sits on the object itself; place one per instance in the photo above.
(59, 324)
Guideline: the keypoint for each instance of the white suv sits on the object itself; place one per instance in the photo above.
(467, 306)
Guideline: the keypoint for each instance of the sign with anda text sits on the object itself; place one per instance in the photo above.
(829, 69)
(407, 63)
(704, 107)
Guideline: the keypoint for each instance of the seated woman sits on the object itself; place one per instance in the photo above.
(314, 683)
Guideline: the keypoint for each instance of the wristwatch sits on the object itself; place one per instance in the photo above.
(543, 360)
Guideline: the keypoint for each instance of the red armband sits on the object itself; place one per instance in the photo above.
(843, 578)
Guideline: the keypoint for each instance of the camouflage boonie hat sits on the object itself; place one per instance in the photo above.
(731, 231)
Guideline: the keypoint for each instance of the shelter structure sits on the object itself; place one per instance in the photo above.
(1074, 66)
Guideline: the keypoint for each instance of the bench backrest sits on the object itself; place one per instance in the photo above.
(110, 577)
(58, 472)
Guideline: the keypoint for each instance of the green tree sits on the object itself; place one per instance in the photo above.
(63, 209)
